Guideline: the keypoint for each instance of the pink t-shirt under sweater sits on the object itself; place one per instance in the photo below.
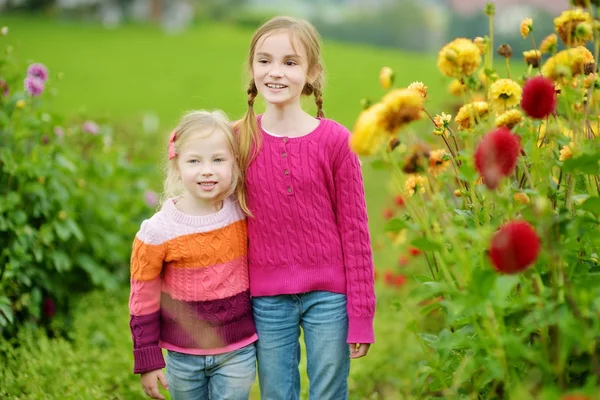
(310, 229)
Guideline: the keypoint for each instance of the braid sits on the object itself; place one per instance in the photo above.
(252, 93)
(318, 102)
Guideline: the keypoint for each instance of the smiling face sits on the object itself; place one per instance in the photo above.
(206, 163)
(280, 68)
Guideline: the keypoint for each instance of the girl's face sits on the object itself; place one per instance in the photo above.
(279, 68)
(206, 165)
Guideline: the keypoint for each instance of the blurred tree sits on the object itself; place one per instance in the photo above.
(33, 5)
(218, 9)
(396, 25)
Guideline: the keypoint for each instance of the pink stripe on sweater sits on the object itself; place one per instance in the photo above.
(144, 297)
(201, 284)
(210, 352)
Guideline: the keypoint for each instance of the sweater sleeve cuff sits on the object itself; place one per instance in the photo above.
(147, 359)
(360, 330)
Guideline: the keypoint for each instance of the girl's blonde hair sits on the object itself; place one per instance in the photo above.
(303, 32)
(207, 122)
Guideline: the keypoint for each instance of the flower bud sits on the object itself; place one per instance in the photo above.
(505, 50)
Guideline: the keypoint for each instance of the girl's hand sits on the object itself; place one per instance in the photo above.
(358, 350)
(151, 387)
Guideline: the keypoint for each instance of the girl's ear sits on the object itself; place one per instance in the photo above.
(314, 73)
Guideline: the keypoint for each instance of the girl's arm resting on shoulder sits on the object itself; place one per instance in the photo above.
(353, 226)
(144, 301)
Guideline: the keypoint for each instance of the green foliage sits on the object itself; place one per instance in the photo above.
(94, 361)
(70, 203)
(531, 332)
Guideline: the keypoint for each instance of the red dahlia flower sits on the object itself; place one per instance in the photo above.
(539, 97)
(496, 155)
(514, 247)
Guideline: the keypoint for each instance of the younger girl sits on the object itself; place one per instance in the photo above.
(309, 252)
(189, 276)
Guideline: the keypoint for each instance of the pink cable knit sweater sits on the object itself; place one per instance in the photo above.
(310, 228)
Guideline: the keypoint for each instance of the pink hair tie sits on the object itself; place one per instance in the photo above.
(172, 153)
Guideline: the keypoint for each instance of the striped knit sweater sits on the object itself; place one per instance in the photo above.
(189, 285)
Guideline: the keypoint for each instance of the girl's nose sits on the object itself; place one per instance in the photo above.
(276, 72)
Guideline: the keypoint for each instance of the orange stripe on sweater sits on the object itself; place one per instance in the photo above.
(146, 260)
(201, 250)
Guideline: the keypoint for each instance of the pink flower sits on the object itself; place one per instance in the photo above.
(34, 86)
(151, 198)
(48, 307)
(514, 247)
(4, 87)
(59, 131)
(38, 71)
(91, 127)
(496, 156)
(539, 97)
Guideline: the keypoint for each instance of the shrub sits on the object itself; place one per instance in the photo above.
(70, 202)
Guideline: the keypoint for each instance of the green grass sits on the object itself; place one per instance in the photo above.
(125, 72)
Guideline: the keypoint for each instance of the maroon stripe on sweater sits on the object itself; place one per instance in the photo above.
(206, 324)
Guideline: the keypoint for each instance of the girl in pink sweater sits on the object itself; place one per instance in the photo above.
(309, 253)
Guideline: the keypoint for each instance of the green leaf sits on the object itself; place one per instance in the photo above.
(592, 205)
(62, 262)
(425, 244)
(75, 229)
(467, 173)
(8, 312)
(66, 163)
(586, 164)
(504, 286)
(62, 231)
(395, 225)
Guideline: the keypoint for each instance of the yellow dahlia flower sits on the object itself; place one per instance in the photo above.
(573, 59)
(439, 160)
(526, 27)
(566, 25)
(459, 58)
(533, 57)
(566, 152)
(414, 183)
(509, 118)
(481, 44)
(505, 93)
(419, 87)
(456, 87)
(402, 107)
(441, 122)
(471, 114)
(369, 134)
(548, 45)
(386, 77)
(521, 198)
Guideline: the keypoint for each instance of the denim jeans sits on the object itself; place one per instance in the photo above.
(324, 320)
(222, 376)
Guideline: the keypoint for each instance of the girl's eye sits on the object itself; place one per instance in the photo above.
(290, 63)
(219, 160)
(262, 61)
(193, 161)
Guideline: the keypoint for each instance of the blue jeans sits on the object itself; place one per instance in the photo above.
(223, 376)
(324, 320)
